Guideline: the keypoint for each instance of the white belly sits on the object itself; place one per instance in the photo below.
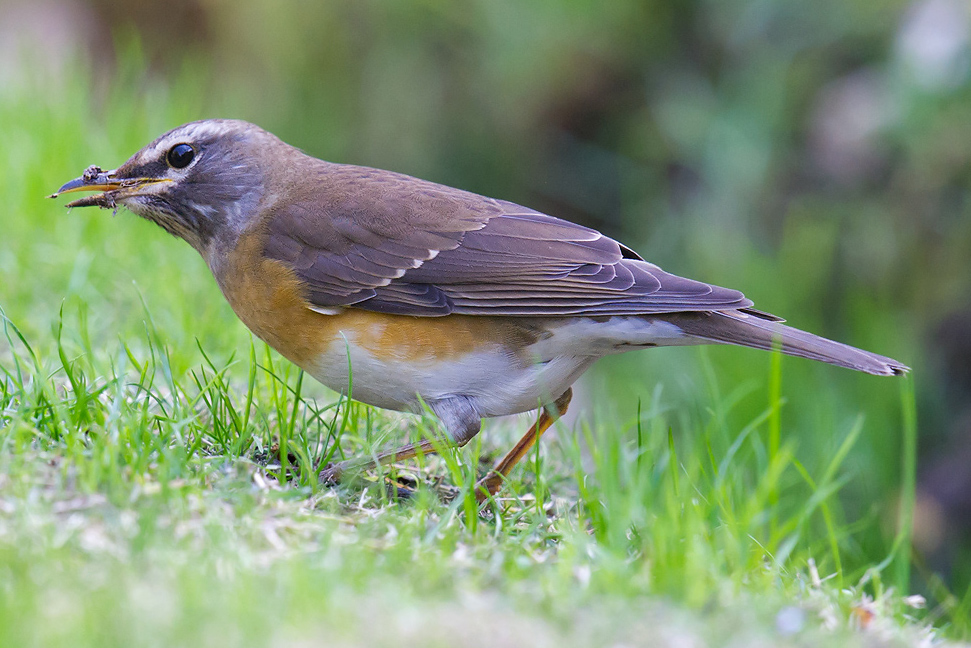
(497, 381)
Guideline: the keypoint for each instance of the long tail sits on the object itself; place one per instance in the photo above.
(751, 328)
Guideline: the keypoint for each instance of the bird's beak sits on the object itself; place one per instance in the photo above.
(108, 183)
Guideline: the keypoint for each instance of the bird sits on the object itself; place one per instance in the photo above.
(406, 294)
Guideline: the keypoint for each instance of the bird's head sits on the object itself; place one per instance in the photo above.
(196, 181)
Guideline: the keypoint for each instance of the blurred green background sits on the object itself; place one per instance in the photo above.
(813, 154)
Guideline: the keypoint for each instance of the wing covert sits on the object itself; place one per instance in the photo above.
(381, 241)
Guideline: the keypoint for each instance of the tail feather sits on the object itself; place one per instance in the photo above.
(751, 328)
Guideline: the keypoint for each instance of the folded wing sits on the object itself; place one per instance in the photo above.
(390, 243)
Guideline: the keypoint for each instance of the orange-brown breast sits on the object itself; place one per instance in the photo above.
(269, 298)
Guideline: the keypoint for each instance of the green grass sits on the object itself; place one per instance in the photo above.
(158, 467)
(137, 500)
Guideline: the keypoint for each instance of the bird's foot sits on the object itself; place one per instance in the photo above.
(331, 474)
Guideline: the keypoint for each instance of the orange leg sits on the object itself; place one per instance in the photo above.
(490, 484)
(486, 486)
(332, 474)
(459, 418)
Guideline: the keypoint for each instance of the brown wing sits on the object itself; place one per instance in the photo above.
(357, 229)
(390, 243)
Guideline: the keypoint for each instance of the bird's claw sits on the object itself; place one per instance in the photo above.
(331, 474)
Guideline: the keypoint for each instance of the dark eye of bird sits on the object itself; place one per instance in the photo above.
(180, 155)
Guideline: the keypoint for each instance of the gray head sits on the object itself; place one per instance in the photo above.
(193, 181)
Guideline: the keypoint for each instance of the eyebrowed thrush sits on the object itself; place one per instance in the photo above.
(473, 306)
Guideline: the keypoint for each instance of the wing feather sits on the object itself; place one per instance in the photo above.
(381, 241)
